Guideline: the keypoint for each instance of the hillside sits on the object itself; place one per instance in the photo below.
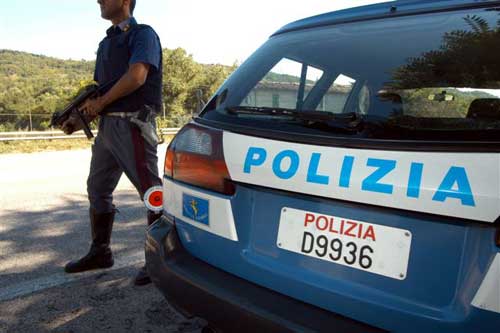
(39, 85)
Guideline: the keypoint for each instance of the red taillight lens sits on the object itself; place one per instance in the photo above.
(169, 162)
(196, 157)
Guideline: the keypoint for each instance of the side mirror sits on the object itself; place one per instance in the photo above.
(200, 104)
(213, 103)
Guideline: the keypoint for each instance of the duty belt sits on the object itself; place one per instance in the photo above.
(142, 119)
(122, 114)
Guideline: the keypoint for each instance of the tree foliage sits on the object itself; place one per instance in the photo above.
(466, 58)
(39, 85)
(186, 83)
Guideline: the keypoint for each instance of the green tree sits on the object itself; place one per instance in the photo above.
(466, 58)
(184, 80)
(39, 85)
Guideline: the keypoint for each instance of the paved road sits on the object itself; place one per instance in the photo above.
(43, 223)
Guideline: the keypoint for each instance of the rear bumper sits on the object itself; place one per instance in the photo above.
(228, 302)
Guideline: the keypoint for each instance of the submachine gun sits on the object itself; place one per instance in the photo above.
(71, 111)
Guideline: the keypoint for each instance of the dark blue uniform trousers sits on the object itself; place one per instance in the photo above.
(119, 148)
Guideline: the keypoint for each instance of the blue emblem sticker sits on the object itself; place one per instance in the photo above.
(195, 208)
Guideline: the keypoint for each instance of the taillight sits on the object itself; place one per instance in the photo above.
(196, 157)
(169, 162)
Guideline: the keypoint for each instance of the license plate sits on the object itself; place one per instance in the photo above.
(361, 245)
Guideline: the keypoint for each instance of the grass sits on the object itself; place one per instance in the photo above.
(13, 147)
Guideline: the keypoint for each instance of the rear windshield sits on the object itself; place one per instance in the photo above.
(434, 76)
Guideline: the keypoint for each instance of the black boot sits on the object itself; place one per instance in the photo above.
(142, 278)
(99, 255)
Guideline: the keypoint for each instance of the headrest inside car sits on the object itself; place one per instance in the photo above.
(484, 108)
(386, 96)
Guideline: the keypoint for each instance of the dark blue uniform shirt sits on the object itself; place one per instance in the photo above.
(144, 47)
(126, 44)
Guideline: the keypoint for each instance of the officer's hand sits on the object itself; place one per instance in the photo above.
(92, 107)
(68, 126)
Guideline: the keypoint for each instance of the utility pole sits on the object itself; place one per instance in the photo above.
(31, 121)
(31, 102)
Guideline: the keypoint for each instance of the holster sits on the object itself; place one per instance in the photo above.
(145, 122)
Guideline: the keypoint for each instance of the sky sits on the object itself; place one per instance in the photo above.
(213, 31)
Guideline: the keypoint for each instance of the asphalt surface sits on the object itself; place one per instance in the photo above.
(43, 224)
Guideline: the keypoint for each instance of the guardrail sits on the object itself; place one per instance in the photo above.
(59, 135)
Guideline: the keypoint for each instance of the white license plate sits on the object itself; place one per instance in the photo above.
(366, 246)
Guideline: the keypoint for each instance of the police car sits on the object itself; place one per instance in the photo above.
(346, 178)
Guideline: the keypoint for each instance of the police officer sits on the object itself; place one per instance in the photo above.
(130, 54)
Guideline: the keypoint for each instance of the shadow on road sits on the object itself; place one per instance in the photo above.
(105, 302)
(35, 243)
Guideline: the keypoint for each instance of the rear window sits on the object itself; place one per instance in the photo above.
(421, 77)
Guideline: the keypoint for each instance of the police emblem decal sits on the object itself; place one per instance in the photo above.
(153, 199)
(195, 208)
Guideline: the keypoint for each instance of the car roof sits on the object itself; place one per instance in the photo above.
(384, 10)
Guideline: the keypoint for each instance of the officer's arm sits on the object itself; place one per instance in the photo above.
(132, 80)
(145, 52)
(128, 83)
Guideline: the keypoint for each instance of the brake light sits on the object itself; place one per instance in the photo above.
(196, 157)
(169, 162)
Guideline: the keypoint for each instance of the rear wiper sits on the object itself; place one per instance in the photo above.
(348, 123)
(310, 115)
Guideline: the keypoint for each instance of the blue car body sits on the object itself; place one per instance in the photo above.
(228, 251)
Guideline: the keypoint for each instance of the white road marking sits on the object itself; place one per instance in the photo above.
(35, 285)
